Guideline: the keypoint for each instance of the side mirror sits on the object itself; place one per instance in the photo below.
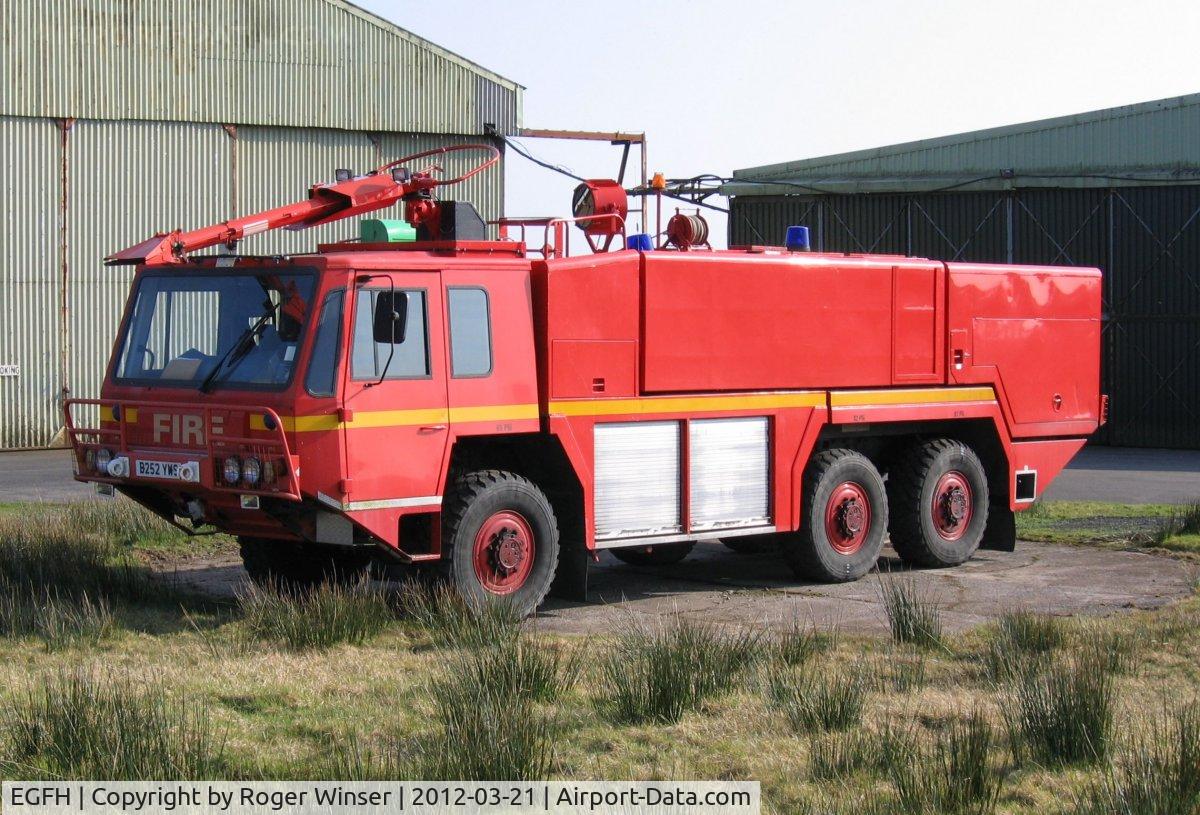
(391, 317)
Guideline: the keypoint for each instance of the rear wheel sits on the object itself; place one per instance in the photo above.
(297, 566)
(939, 503)
(664, 554)
(843, 519)
(499, 540)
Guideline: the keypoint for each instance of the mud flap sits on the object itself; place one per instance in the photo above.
(1001, 531)
(570, 581)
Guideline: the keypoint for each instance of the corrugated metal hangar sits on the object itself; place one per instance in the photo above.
(122, 118)
(1117, 188)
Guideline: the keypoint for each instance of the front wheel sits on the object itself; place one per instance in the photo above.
(844, 518)
(499, 540)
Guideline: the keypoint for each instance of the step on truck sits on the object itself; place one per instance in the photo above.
(502, 410)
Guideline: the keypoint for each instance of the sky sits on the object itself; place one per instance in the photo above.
(718, 86)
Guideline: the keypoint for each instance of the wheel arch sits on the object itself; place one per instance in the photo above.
(537, 456)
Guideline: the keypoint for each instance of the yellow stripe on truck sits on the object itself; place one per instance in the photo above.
(649, 405)
(401, 418)
(909, 396)
(687, 404)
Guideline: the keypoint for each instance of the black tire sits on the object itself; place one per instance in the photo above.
(293, 566)
(751, 544)
(520, 555)
(664, 554)
(846, 484)
(941, 534)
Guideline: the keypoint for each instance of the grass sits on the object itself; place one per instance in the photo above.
(1020, 637)
(449, 622)
(81, 725)
(801, 641)
(1164, 526)
(1159, 774)
(658, 672)
(956, 774)
(1061, 713)
(57, 622)
(321, 617)
(439, 693)
(839, 755)
(490, 726)
(817, 700)
(913, 616)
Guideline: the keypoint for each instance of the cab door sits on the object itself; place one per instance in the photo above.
(395, 418)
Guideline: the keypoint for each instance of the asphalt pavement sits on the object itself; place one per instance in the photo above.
(1122, 475)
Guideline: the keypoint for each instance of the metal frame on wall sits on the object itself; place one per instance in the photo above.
(1146, 239)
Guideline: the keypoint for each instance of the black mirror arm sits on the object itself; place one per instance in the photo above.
(392, 345)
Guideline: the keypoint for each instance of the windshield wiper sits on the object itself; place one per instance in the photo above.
(239, 349)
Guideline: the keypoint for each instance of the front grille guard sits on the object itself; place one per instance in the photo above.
(217, 448)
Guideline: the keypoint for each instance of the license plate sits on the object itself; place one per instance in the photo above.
(159, 469)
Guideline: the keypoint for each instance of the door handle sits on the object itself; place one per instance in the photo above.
(432, 428)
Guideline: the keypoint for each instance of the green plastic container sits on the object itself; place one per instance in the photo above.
(379, 230)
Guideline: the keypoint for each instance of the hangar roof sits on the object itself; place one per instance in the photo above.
(1150, 142)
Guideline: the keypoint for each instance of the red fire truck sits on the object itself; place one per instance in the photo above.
(504, 412)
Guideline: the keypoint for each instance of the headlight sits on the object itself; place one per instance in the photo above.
(103, 456)
(233, 470)
(89, 459)
(251, 470)
(268, 471)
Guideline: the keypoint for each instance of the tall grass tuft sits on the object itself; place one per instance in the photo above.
(521, 669)
(451, 623)
(324, 616)
(838, 755)
(912, 615)
(903, 670)
(800, 641)
(121, 521)
(657, 672)
(1111, 650)
(1180, 520)
(818, 700)
(954, 775)
(92, 725)
(43, 550)
(1061, 713)
(1019, 638)
(356, 759)
(1159, 774)
(57, 622)
(487, 733)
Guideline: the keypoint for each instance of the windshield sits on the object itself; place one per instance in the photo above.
(187, 327)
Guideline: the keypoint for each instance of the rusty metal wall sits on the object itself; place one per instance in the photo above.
(1146, 239)
(30, 281)
(299, 63)
(126, 180)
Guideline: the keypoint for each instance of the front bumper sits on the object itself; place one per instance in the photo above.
(227, 431)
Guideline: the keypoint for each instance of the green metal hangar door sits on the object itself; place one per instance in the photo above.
(1118, 189)
(122, 118)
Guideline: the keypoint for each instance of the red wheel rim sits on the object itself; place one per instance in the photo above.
(503, 553)
(848, 517)
(952, 505)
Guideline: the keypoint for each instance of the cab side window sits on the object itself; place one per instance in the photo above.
(470, 332)
(410, 358)
(323, 366)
